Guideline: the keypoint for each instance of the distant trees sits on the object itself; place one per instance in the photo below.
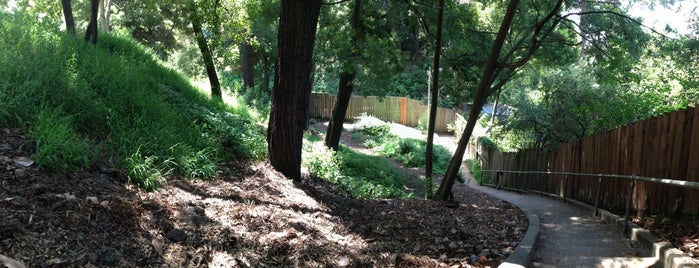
(292, 85)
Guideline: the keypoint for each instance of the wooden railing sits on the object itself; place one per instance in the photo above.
(665, 146)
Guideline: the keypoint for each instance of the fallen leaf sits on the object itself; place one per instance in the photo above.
(104, 204)
(343, 262)
(10, 263)
(67, 196)
(93, 199)
(23, 161)
(157, 246)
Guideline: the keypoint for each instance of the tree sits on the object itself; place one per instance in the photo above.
(205, 50)
(247, 64)
(105, 14)
(434, 95)
(344, 90)
(448, 181)
(68, 15)
(91, 33)
(292, 85)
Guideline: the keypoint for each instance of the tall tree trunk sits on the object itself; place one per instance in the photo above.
(455, 164)
(91, 33)
(248, 65)
(105, 14)
(68, 15)
(205, 52)
(344, 90)
(434, 96)
(292, 84)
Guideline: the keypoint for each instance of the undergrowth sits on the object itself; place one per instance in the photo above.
(114, 102)
(359, 175)
(408, 151)
(475, 169)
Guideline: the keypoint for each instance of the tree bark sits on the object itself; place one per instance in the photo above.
(345, 88)
(292, 84)
(91, 33)
(247, 65)
(205, 53)
(455, 164)
(68, 15)
(434, 96)
(105, 14)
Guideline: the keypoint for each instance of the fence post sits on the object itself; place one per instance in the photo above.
(541, 184)
(599, 188)
(565, 189)
(497, 179)
(628, 206)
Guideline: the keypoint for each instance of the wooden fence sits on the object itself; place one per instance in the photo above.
(390, 109)
(665, 146)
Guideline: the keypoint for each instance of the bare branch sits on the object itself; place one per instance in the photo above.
(616, 14)
(335, 3)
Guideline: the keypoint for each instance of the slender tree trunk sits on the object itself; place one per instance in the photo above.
(292, 84)
(68, 15)
(344, 90)
(434, 97)
(248, 65)
(105, 14)
(495, 112)
(91, 33)
(205, 53)
(266, 76)
(455, 164)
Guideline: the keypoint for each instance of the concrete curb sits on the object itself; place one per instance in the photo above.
(522, 256)
(524, 252)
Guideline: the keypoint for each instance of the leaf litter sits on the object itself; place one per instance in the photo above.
(250, 216)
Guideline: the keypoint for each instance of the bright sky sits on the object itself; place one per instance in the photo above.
(676, 16)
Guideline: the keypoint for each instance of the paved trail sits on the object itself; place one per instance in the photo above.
(571, 237)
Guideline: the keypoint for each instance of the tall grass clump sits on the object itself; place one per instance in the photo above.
(115, 96)
(58, 147)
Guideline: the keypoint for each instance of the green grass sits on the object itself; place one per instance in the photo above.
(361, 176)
(114, 102)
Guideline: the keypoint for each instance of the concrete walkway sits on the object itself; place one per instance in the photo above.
(569, 236)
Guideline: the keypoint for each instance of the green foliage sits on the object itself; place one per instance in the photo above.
(475, 168)
(58, 146)
(148, 172)
(410, 152)
(359, 175)
(115, 96)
